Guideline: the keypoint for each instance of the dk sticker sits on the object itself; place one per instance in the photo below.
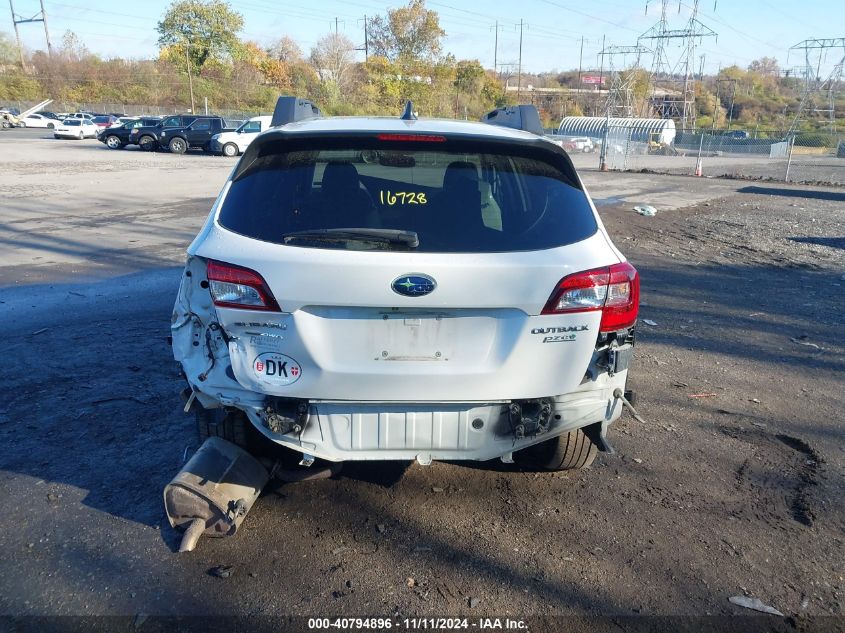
(275, 369)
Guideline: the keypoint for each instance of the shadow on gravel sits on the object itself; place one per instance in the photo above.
(92, 400)
(832, 242)
(815, 194)
(741, 311)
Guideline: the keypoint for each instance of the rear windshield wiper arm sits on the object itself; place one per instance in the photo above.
(388, 236)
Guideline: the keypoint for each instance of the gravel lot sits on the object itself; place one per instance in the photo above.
(737, 492)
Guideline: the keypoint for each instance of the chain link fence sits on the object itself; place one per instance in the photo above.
(812, 158)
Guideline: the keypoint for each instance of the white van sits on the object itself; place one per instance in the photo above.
(234, 143)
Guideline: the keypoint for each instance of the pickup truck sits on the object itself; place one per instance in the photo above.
(197, 135)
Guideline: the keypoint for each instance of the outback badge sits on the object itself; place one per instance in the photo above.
(413, 285)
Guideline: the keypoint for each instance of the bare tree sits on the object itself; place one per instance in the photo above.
(332, 57)
(285, 50)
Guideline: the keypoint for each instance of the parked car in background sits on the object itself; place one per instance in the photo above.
(197, 135)
(104, 120)
(80, 115)
(234, 143)
(736, 134)
(49, 115)
(121, 120)
(147, 137)
(38, 120)
(583, 143)
(119, 136)
(573, 143)
(76, 128)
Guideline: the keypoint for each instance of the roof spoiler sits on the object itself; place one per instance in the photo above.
(290, 109)
(520, 117)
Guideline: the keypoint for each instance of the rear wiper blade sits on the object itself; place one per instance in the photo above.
(387, 236)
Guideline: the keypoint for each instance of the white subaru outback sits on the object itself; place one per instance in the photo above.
(403, 289)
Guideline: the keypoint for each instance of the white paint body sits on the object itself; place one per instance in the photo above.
(243, 136)
(85, 129)
(39, 121)
(388, 376)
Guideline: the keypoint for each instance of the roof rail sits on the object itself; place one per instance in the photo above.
(520, 117)
(290, 109)
(408, 113)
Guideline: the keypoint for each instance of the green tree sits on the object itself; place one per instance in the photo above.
(406, 34)
(765, 66)
(209, 29)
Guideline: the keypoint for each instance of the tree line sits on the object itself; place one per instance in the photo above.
(405, 60)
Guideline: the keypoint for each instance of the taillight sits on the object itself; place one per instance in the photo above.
(235, 287)
(615, 290)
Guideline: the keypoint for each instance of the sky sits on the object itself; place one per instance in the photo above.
(551, 35)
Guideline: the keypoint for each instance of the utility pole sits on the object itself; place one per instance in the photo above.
(519, 71)
(366, 46)
(17, 34)
(496, 48)
(335, 26)
(41, 16)
(580, 60)
(190, 77)
(601, 68)
(46, 32)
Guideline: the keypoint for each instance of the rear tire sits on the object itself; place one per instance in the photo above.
(232, 426)
(178, 146)
(569, 451)
(147, 143)
(50, 126)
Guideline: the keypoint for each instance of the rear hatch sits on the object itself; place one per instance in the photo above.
(404, 268)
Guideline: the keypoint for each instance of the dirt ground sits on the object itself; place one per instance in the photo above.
(733, 485)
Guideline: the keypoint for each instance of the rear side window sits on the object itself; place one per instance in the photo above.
(464, 198)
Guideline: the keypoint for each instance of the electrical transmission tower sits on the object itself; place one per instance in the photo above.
(677, 103)
(620, 96)
(818, 98)
(41, 16)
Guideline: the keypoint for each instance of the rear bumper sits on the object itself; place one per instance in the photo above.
(214, 147)
(425, 432)
(353, 431)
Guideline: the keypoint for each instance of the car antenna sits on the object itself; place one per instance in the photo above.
(408, 113)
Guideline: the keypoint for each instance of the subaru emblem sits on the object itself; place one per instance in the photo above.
(413, 285)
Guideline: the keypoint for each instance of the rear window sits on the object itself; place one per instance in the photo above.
(456, 196)
(72, 122)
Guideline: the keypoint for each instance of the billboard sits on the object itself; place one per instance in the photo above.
(592, 79)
